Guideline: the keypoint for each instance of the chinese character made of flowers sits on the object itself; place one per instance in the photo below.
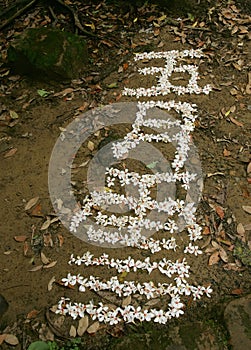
(128, 229)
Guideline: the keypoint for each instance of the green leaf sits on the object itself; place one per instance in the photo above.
(112, 85)
(152, 165)
(43, 93)
(39, 345)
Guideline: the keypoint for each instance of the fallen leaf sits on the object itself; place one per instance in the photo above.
(43, 93)
(249, 168)
(48, 242)
(26, 248)
(37, 211)
(93, 328)
(112, 85)
(236, 122)
(52, 264)
(223, 255)
(152, 302)
(60, 239)
(73, 332)
(126, 301)
(36, 268)
(64, 92)
(90, 145)
(46, 224)
(44, 259)
(11, 339)
(50, 284)
(7, 252)
(206, 230)
(247, 208)
(2, 337)
(214, 258)
(240, 229)
(82, 325)
(237, 291)
(10, 153)
(219, 210)
(38, 345)
(32, 314)
(226, 153)
(13, 115)
(31, 203)
(122, 276)
(248, 86)
(20, 238)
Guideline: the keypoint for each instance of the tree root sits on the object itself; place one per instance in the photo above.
(23, 5)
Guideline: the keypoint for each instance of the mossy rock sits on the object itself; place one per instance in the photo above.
(44, 53)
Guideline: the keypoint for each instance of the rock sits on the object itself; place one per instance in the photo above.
(238, 319)
(44, 53)
(3, 305)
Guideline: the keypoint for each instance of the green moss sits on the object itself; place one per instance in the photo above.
(48, 52)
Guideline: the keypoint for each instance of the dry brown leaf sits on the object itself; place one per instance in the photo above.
(20, 238)
(46, 224)
(90, 145)
(82, 325)
(215, 245)
(219, 210)
(60, 239)
(237, 291)
(52, 264)
(73, 332)
(32, 314)
(214, 258)
(152, 302)
(11, 339)
(236, 122)
(126, 301)
(50, 284)
(31, 203)
(223, 255)
(44, 259)
(48, 242)
(231, 267)
(240, 229)
(36, 268)
(64, 92)
(8, 252)
(37, 211)
(10, 153)
(247, 208)
(26, 248)
(93, 328)
(226, 152)
(249, 168)
(2, 337)
(248, 86)
(206, 231)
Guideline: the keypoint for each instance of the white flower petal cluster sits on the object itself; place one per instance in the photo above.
(129, 313)
(164, 86)
(127, 229)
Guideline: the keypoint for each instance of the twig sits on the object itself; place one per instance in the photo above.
(76, 19)
(54, 16)
(18, 13)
